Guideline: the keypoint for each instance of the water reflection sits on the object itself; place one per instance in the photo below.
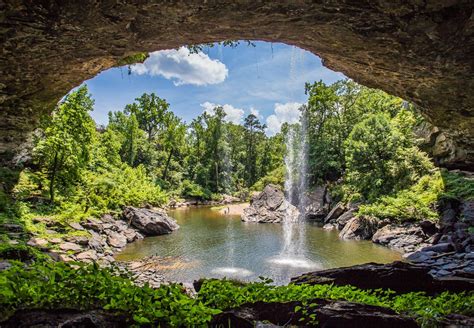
(209, 244)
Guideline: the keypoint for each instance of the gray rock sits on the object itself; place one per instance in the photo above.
(451, 266)
(418, 257)
(89, 255)
(150, 222)
(315, 204)
(55, 240)
(76, 226)
(97, 242)
(359, 228)
(342, 220)
(270, 206)
(81, 240)
(404, 238)
(335, 213)
(442, 273)
(116, 239)
(469, 256)
(439, 248)
(37, 242)
(65, 258)
(467, 212)
(93, 224)
(4, 265)
(67, 246)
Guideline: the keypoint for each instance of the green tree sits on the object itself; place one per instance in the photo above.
(254, 134)
(150, 111)
(131, 135)
(381, 156)
(64, 147)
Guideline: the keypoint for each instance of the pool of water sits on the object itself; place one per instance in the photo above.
(210, 244)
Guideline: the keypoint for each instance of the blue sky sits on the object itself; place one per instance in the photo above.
(267, 80)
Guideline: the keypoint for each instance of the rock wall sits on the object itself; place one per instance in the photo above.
(422, 51)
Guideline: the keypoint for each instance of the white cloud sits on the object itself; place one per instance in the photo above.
(288, 112)
(255, 112)
(183, 67)
(233, 114)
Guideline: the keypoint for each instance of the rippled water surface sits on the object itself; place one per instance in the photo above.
(209, 244)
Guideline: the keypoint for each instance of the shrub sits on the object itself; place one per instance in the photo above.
(276, 177)
(194, 190)
(415, 203)
(116, 187)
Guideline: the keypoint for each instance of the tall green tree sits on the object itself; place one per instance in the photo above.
(64, 148)
(254, 134)
(150, 111)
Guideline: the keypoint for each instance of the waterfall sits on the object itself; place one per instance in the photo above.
(295, 188)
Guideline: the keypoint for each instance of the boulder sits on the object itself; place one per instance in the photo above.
(401, 237)
(342, 220)
(328, 313)
(401, 277)
(116, 239)
(270, 206)
(335, 213)
(150, 222)
(315, 205)
(359, 228)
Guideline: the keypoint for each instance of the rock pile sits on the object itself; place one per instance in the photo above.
(270, 206)
(99, 239)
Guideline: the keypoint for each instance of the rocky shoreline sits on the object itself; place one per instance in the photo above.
(446, 247)
(98, 239)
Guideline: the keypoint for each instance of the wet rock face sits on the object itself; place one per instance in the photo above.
(419, 50)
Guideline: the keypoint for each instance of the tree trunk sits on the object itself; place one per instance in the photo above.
(165, 172)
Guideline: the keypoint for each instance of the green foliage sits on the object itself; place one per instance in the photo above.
(457, 186)
(381, 158)
(133, 59)
(59, 285)
(276, 177)
(64, 148)
(83, 287)
(417, 202)
(22, 253)
(193, 190)
(117, 187)
(225, 294)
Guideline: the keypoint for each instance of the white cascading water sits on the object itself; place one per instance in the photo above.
(294, 234)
